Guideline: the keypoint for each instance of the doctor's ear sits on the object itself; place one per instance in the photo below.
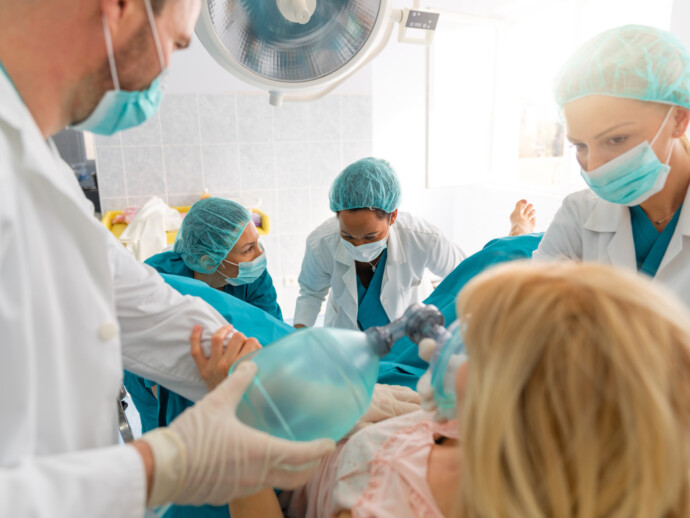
(681, 119)
(394, 216)
(122, 16)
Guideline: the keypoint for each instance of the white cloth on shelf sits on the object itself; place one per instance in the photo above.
(145, 235)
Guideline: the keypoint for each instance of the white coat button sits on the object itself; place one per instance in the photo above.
(107, 330)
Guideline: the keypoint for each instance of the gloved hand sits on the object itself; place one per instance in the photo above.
(387, 401)
(427, 346)
(424, 389)
(207, 456)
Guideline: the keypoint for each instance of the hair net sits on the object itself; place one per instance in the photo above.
(209, 231)
(632, 61)
(366, 183)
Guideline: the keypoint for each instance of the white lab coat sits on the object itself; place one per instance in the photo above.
(414, 246)
(73, 305)
(591, 229)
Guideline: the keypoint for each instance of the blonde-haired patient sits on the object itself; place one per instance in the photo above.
(578, 400)
(577, 405)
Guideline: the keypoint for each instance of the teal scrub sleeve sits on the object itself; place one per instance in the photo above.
(250, 320)
(261, 293)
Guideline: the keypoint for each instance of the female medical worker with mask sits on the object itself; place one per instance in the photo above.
(625, 98)
(218, 244)
(371, 257)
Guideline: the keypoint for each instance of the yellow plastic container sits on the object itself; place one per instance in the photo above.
(117, 228)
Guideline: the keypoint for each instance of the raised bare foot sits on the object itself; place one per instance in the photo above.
(522, 219)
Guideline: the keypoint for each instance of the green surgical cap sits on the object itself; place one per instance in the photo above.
(209, 231)
(633, 61)
(366, 183)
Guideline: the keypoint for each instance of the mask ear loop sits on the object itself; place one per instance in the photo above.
(663, 124)
(111, 54)
(154, 31)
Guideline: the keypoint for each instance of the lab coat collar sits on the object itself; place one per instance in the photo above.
(675, 246)
(342, 256)
(684, 218)
(606, 216)
(12, 109)
(14, 112)
(609, 217)
(396, 253)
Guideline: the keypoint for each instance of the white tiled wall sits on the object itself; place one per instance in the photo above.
(237, 144)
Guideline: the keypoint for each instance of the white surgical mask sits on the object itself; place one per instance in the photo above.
(366, 252)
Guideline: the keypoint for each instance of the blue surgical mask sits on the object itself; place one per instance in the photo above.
(632, 177)
(366, 252)
(119, 109)
(249, 271)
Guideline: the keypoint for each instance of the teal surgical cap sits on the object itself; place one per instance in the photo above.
(209, 231)
(633, 61)
(366, 183)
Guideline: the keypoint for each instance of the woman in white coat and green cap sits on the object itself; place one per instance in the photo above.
(370, 256)
(625, 98)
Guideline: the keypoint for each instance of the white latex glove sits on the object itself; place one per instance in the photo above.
(207, 456)
(388, 401)
(427, 346)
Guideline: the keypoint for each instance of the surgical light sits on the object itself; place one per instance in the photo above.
(288, 46)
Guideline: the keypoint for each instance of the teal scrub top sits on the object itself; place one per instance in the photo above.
(650, 244)
(370, 311)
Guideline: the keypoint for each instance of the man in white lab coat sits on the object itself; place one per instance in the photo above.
(75, 307)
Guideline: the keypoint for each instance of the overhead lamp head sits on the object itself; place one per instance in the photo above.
(283, 45)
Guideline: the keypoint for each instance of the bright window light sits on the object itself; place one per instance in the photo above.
(491, 116)
(460, 104)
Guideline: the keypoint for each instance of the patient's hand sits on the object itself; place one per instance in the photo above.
(214, 368)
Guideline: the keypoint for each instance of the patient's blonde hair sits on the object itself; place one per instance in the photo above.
(578, 398)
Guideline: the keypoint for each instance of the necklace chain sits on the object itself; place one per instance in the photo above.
(660, 221)
(373, 266)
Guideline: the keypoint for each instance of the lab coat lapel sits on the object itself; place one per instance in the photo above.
(392, 281)
(616, 244)
(16, 114)
(347, 274)
(678, 240)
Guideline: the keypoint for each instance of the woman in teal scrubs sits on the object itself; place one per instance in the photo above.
(218, 244)
(216, 247)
